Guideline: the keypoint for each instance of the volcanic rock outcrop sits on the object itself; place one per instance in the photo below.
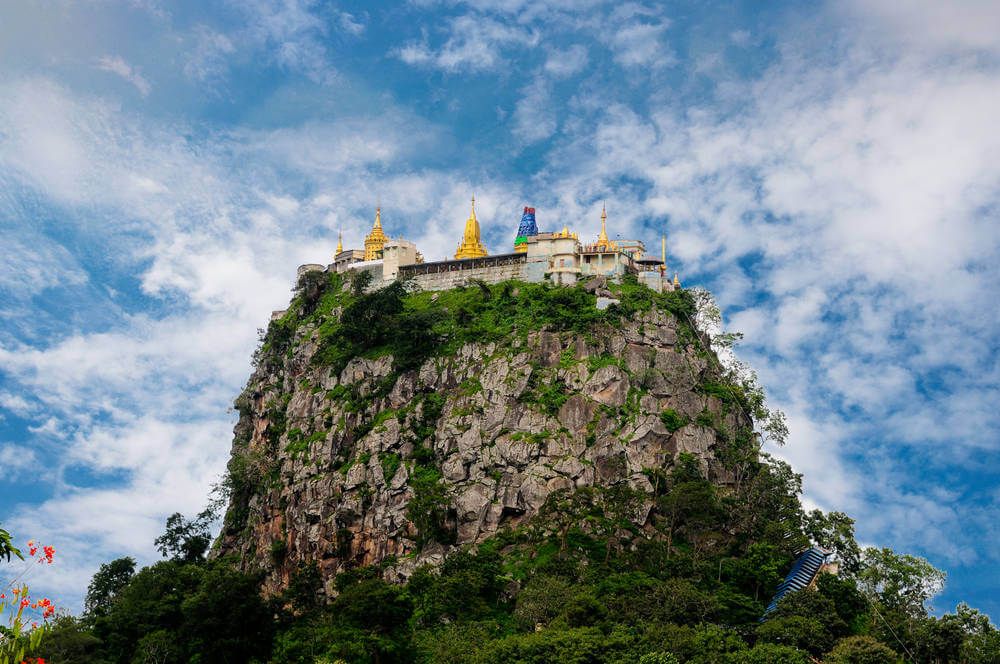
(357, 462)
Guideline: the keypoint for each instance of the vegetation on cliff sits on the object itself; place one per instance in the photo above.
(667, 552)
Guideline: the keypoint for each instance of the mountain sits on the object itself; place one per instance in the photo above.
(389, 428)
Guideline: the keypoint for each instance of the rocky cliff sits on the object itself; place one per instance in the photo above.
(389, 428)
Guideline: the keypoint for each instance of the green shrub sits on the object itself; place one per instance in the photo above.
(428, 509)
(673, 420)
(390, 464)
(861, 650)
(770, 653)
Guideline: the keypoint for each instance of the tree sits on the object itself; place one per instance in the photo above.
(851, 605)
(812, 605)
(939, 640)
(202, 608)
(658, 658)
(835, 532)
(861, 650)
(804, 633)
(185, 540)
(69, 641)
(771, 653)
(899, 582)
(106, 584)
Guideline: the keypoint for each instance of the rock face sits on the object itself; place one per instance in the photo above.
(368, 465)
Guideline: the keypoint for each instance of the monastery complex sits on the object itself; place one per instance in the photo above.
(558, 257)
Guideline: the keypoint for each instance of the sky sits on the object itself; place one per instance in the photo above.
(830, 171)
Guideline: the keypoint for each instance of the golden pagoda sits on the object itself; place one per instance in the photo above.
(471, 246)
(375, 240)
(603, 244)
(340, 243)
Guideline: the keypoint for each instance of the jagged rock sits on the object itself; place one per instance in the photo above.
(609, 386)
(339, 492)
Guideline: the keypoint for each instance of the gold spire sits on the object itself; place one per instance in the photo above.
(471, 245)
(602, 239)
(677, 282)
(340, 242)
(663, 248)
(375, 240)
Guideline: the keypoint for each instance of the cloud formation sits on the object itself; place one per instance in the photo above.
(116, 65)
(838, 194)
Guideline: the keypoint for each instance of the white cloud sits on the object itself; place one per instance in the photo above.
(635, 36)
(964, 24)
(474, 43)
(351, 24)
(117, 65)
(207, 59)
(535, 113)
(740, 37)
(16, 458)
(566, 62)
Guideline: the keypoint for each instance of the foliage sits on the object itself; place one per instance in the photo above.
(861, 650)
(834, 532)
(672, 420)
(7, 548)
(390, 464)
(899, 582)
(27, 619)
(428, 510)
(186, 540)
(580, 583)
(109, 580)
(70, 640)
(804, 633)
(771, 653)
(196, 608)
(17, 638)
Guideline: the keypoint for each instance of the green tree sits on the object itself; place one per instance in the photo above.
(69, 640)
(771, 653)
(835, 532)
(658, 658)
(186, 540)
(106, 583)
(861, 650)
(899, 582)
(207, 609)
(804, 633)
(850, 603)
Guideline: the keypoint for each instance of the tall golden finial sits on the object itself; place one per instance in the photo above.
(677, 282)
(602, 239)
(340, 242)
(376, 239)
(663, 248)
(471, 245)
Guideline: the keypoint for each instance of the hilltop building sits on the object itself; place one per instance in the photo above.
(527, 228)
(558, 257)
(375, 240)
(471, 245)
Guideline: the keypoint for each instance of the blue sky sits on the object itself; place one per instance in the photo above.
(829, 171)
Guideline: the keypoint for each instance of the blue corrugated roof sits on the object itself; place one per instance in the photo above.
(800, 576)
